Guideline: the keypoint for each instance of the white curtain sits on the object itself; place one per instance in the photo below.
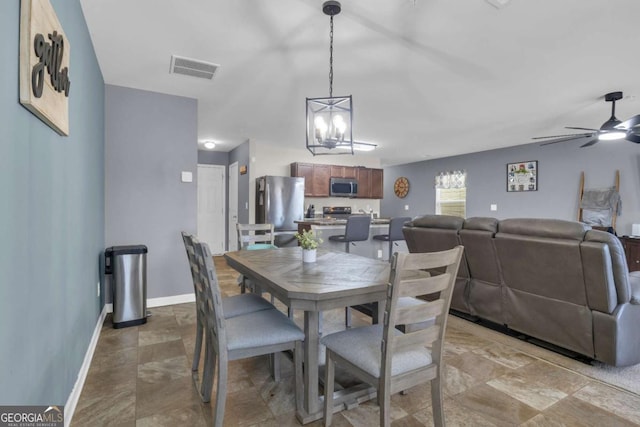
(451, 179)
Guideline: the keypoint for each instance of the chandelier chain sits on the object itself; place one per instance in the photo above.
(331, 59)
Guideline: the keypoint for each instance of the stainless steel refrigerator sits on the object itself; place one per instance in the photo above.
(280, 201)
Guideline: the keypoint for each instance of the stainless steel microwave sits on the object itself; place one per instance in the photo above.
(344, 187)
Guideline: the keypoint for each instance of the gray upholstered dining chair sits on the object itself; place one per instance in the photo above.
(235, 305)
(260, 333)
(395, 232)
(391, 360)
(356, 230)
(254, 237)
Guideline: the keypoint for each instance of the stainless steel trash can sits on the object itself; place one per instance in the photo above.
(127, 266)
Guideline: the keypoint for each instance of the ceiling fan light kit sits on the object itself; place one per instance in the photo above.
(330, 119)
(611, 130)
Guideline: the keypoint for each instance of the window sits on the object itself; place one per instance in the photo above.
(451, 201)
(451, 193)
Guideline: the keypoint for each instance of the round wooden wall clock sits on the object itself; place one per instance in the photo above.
(401, 187)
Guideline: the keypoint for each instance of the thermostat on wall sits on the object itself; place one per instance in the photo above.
(187, 176)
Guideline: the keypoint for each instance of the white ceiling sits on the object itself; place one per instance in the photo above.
(429, 78)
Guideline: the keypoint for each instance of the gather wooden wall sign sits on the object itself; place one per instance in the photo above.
(44, 64)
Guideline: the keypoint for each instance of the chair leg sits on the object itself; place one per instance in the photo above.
(329, 379)
(274, 361)
(436, 402)
(384, 401)
(206, 385)
(347, 317)
(390, 250)
(198, 347)
(221, 393)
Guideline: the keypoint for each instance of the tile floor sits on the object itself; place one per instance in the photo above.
(141, 376)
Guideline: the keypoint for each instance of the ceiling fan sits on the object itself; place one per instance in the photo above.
(610, 130)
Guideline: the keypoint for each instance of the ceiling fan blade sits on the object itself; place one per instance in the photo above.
(590, 143)
(555, 141)
(569, 136)
(569, 127)
(629, 123)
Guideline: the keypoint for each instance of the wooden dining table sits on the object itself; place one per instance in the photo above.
(335, 280)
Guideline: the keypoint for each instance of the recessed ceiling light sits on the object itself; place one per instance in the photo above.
(209, 145)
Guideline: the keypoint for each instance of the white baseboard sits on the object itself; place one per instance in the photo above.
(162, 301)
(74, 396)
(176, 299)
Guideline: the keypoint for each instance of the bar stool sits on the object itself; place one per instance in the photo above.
(395, 232)
(356, 230)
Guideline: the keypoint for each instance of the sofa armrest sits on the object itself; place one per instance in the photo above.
(634, 284)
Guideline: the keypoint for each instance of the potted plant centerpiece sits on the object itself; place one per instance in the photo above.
(309, 243)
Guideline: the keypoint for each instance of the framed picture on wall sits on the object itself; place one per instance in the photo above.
(522, 176)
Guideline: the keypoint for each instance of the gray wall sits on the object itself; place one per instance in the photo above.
(207, 157)
(559, 168)
(51, 222)
(241, 154)
(150, 138)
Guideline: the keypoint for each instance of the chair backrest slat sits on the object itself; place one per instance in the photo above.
(419, 313)
(435, 260)
(424, 286)
(422, 337)
(249, 234)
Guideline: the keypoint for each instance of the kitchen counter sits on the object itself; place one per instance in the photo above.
(332, 221)
(370, 248)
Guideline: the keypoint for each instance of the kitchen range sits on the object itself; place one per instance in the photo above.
(336, 212)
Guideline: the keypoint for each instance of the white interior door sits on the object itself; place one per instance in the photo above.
(233, 206)
(211, 208)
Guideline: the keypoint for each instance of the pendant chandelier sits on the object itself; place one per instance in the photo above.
(329, 120)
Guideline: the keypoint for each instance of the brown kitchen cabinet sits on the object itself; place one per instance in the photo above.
(370, 183)
(377, 183)
(632, 251)
(343, 171)
(316, 178)
(364, 183)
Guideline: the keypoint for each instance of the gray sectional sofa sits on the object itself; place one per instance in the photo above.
(555, 280)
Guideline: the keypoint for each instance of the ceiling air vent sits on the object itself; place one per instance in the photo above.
(193, 67)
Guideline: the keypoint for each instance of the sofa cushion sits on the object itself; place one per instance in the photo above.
(543, 227)
(481, 224)
(485, 288)
(618, 261)
(438, 221)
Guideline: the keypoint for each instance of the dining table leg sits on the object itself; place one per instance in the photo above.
(311, 363)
